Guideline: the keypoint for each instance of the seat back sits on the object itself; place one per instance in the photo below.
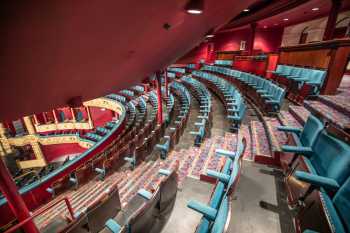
(143, 219)
(106, 207)
(342, 204)
(168, 191)
(312, 128)
(222, 217)
(331, 157)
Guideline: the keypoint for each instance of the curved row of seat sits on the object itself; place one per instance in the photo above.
(300, 75)
(262, 91)
(327, 170)
(177, 70)
(177, 126)
(216, 214)
(223, 62)
(131, 142)
(228, 94)
(203, 96)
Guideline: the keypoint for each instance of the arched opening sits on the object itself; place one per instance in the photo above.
(342, 28)
(303, 36)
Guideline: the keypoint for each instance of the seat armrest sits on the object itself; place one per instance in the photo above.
(145, 194)
(289, 129)
(310, 231)
(113, 226)
(207, 211)
(226, 153)
(297, 149)
(318, 181)
(219, 175)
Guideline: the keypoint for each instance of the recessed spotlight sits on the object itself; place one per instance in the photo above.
(209, 36)
(315, 9)
(265, 26)
(246, 10)
(103, 109)
(285, 19)
(275, 24)
(195, 7)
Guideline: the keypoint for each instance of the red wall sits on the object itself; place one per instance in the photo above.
(99, 117)
(53, 152)
(267, 40)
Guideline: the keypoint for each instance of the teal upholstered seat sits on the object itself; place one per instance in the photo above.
(330, 161)
(303, 137)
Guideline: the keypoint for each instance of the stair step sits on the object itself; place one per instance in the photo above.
(260, 140)
(288, 119)
(340, 103)
(277, 138)
(300, 113)
(330, 114)
(245, 132)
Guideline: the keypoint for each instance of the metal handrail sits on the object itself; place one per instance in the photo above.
(70, 209)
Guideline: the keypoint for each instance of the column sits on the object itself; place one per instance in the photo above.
(29, 126)
(54, 116)
(89, 117)
(159, 95)
(73, 114)
(36, 119)
(252, 38)
(332, 19)
(14, 199)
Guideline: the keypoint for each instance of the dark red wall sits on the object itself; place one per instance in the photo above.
(267, 40)
(99, 117)
(53, 152)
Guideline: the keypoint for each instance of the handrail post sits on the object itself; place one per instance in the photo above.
(15, 200)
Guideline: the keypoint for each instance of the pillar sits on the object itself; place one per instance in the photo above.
(89, 117)
(166, 82)
(14, 199)
(332, 19)
(73, 114)
(54, 116)
(252, 38)
(29, 125)
(159, 95)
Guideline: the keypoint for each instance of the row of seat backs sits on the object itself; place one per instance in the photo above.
(177, 70)
(221, 82)
(106, 161)
(245, 76)
(313, 76)
(223, 62)
(223, 192)
(141, 214)
(330, 158)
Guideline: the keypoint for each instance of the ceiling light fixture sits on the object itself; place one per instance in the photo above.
(210, 34)
(103, 109)
(195, 7)
(315, 9)
(285, 19)
(265, 26)
(246, 10)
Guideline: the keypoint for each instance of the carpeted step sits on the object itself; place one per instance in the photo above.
(334, 116)
(288, 119)
(277, 138)
(300, 113)
(340, 103)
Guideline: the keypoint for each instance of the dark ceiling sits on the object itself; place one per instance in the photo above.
(58, 49)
